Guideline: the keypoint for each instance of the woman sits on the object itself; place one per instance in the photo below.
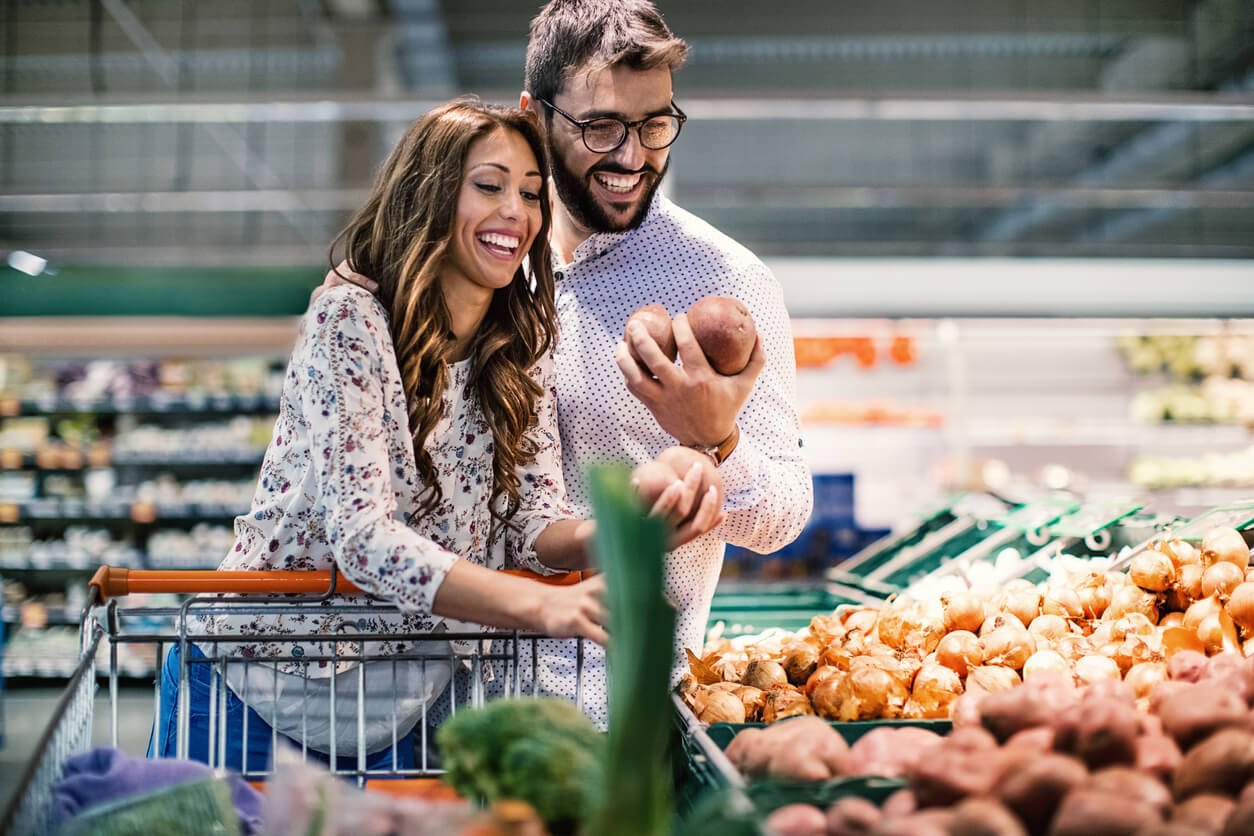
(419, 512)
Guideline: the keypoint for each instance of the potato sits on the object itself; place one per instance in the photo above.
(1186, 666)
(1204, 813)
(650, 480)
(899, 804)
(984, 817)
(1222, 763)
(1089, 813)
(1157, 755)
(1241, 822)
(749, 751)
(970, 739)
(1129, 783)
(852, 816)
(1007, 712)
(796, 820)
(1039, 740)
(1106, 732)
(657, 321)
(816, 753)
(1168, 829)
(922, 823)
(889, 752)
(945, 777)
(1034, 790)
(725, 331)
(1196, 712)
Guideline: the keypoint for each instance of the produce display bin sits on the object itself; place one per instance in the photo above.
(706, 768)
(740, 611)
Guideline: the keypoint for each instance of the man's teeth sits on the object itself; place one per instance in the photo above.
(618, 184)
(508, 242)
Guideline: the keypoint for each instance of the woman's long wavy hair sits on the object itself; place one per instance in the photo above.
(401, 238)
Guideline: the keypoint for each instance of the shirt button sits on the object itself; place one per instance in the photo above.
(559, 275)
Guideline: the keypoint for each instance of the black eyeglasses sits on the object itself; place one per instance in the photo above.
(605, 133)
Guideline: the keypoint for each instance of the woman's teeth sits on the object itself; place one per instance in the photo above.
(618, 184)
(497, 241)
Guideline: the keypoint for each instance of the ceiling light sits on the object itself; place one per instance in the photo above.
(28, 263)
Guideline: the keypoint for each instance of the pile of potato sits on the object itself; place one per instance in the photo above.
(1049, 758)
(914, 659)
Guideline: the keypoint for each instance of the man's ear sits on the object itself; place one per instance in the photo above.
(526, 102)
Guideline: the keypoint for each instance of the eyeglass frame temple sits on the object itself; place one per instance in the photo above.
(582, 125)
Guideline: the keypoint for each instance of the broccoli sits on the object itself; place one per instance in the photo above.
(543, 751)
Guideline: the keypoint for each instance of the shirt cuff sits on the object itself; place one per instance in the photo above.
(524, 555)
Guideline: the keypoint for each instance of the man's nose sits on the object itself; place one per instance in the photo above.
(631, 154)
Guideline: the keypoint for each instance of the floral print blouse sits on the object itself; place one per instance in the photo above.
(339, 487)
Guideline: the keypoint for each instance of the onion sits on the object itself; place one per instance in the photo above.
(1143, 676)
(1132, 624)
(992, 678)
(1211, 633)
(752, 699)
(800, 661)
(1199, 611)
(1096, 668)
(1225, 545)
(997, 620)
(784, 702)
(1241, 606)
(1048, 662)
(719, 707)
(1129, 599)
(765, 674)
(1220, 579)
(826, 629)
(1171, 619)
(1009, 646)
(1181, 551)
(1023, 604)
(1072, 647)
(959, 651)
(962, 610)
(820, 675)
(870, 694)
(1190, 582)
(1064, 602)
(862, 619)
(1049, 626)
(935, 689)
(907, 625)
(1094, 594)
(1153, 571)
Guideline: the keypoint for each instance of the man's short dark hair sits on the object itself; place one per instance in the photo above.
(568, 36)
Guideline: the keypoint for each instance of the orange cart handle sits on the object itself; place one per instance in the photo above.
(116, 582)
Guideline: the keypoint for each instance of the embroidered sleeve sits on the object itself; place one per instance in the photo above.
(540, 482)
(345, 363)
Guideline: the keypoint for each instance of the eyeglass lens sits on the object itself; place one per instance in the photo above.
(608, 134)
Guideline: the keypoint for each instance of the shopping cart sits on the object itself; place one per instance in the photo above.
(481, 665)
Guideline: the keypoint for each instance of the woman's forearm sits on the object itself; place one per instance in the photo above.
(470, 592)
(564, 544)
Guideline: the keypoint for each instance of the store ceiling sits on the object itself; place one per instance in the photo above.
(950, 127)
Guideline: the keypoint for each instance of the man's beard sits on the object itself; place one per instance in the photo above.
(576, 194)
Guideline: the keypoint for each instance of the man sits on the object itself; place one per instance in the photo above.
(599, 78)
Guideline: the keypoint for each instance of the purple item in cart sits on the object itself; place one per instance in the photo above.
(106, 774)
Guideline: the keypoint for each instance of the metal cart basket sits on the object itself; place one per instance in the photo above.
(331, 681)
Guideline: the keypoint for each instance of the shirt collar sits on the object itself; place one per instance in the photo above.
(600, 243)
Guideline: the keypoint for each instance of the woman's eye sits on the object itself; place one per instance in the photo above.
(531, 196)
(491, 188)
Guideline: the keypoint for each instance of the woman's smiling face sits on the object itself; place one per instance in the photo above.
(498, 214)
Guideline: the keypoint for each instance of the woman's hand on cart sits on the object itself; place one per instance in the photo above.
(574, 611)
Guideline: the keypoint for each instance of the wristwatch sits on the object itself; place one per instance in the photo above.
(718, 453)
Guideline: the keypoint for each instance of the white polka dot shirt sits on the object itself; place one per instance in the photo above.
(674, 258)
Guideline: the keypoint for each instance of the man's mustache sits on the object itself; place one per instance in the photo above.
(610, 168)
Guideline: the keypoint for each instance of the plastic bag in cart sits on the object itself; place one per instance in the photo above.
(300, 707)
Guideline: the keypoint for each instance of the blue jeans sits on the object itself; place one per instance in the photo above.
(260, 736)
